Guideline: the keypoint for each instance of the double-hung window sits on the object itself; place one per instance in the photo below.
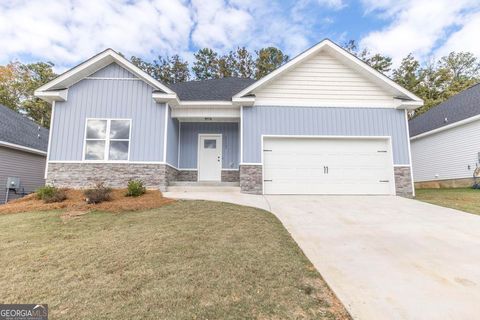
(107, 139)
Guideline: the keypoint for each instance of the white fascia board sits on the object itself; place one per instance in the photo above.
(335, 49)
(407, 104)
(244, 101)
(50, 96)
(99, 61)
(449, 126)
(206, 103)
(170, 98)
(22, 148)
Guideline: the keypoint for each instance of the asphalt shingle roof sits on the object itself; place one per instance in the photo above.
(463, 105)
(18, 129)
(211, 90)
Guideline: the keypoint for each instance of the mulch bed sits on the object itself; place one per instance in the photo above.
(75, 202)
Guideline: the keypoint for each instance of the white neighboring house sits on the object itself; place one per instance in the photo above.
(445, 141)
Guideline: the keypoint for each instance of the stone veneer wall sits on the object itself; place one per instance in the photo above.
(230, 175)
(403, 181)
(447, 183)
(251, 179)
(192, 175)
(116, 175)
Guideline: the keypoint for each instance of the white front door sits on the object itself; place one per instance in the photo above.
(209, 157)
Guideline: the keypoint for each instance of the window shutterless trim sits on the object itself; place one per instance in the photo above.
(107, 141)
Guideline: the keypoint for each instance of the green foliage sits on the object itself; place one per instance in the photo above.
(97, 194)
(51, 194)
(135, 188)
(206, 64)
(376, 61)
(268, 59)
(18, 83)
(167, 70)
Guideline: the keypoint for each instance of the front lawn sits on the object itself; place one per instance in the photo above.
(184, 260)
(465, 199)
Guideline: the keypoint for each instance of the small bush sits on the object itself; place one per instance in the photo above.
(51, 194)
(135, 188)
(98, 194)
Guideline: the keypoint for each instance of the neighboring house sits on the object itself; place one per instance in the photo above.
(23, 152)
(446, 141)
(323, 123)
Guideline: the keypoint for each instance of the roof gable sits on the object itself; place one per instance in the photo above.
(94, 64)
(347, 59)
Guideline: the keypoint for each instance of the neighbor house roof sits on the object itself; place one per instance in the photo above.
(19, 132)
(458, 108)
(210, 90)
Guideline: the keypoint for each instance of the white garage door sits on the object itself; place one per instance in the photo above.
(327, 166)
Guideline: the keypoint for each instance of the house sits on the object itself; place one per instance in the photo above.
(323, 123)
(23, 152)
(446, 141)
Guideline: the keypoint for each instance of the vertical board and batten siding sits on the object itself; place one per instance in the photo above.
(447, 153)
(29, 167)
(172, 141)
(112, 98)
(262, 120)
(319, 81)
(189, 132)
(113, 70)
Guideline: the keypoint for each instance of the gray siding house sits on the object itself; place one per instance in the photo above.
(23, 152)
(323, 123)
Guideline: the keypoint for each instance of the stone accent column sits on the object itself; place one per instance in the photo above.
(230, 175)
(251, 179)
(403, 182)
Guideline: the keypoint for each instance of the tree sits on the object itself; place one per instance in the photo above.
(268, 59)
(18, 83)
(408, 73)
(244, 66)
(167, 70)
(376, 61)
(179, 71)
(206, 64)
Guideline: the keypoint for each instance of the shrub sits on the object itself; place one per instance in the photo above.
(51, 194)
(98, 194)
(135, 188)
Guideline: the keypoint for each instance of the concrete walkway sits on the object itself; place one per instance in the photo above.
(384, 257)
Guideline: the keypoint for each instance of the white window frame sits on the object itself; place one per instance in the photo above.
(107, 141)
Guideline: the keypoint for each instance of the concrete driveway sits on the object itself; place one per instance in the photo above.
(384, 257)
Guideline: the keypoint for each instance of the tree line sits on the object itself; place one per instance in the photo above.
(434, 81)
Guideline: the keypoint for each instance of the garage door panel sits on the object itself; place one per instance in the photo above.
(327, 166)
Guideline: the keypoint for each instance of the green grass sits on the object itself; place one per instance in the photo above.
(464, 199)
(186, 260)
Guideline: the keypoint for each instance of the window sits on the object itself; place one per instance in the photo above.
(210, 144)
(107, 139)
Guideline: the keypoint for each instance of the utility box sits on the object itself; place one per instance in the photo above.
(13, 183)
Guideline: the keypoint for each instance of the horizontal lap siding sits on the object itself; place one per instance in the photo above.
(189, 132)
(258, 121)
(322, 79)
(30, 168)
(447, 153)
(115, 98)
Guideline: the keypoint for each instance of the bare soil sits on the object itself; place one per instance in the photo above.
(75, 203)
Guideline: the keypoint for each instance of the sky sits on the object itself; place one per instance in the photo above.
(67, 32)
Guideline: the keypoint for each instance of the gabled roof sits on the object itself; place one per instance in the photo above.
(94, 64)
(401, 93)
(211, 90)
(460, 107)
(17, 130)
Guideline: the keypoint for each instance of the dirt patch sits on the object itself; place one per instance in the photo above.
(75, 204)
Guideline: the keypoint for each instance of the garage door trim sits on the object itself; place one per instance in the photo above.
(388, 138)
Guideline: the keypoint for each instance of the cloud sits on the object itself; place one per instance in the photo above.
(333, 4)
(70, 31)
(465, 39)
(418, 26)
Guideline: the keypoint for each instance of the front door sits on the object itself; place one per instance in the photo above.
(209, 157)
